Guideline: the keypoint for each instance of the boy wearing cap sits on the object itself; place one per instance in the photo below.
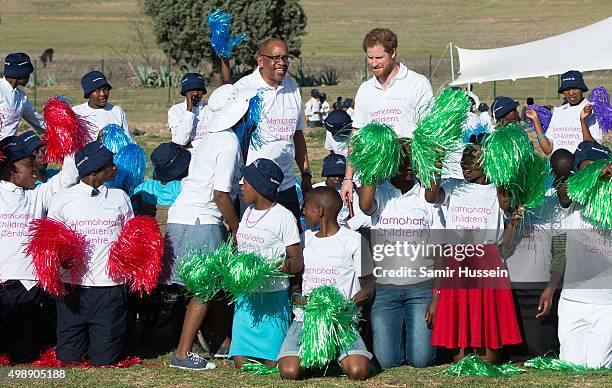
(92, 318)
(504, 110)
(14, 103)
(484, 116)
(565, 129)
(312, 110)
(21, 201)
(97, 110)
(206, 202)
(338, 125)
(35, 146)
(155, 196)
(187, 120)
(261, 320)
(585, 307)
(325, 108)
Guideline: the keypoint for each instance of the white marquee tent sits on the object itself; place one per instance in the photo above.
(585, 49)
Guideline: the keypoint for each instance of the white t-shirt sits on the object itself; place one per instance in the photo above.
(339, 147)
(281, 118)
(485, 119)
(14, 105)
(325, 109)
(351, 112)
(188, 127)
(588, 271)
(312, 109)
(215, 165)
(99, 218)
(100, 118)
(268, 233)
(565, 131)
(473, 207)
(18, 207)
(397, 106)
(405, 218)
(531, 259)
(334, 261)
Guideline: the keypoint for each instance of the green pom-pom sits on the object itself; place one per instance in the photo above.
(588, 188)
(201, 273)
(438, 133)
(247, 272)
(328, 327)
(258, 368)
(376, 153)
(529, 187)
(472, 365)
(555, 364)
(504, 152)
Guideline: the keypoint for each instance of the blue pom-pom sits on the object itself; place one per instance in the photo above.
(476, 130)
(219, 22)
(114, 138)
(253, 119)
(131, 162)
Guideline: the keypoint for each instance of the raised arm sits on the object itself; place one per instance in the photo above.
(543, 141)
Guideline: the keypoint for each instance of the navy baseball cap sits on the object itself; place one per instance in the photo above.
(192, 81)
(314, 93)
(31, 140)
(572, 80)
(590, 150)
(265, 176)
(338, 122)
(483, 107)
(91, 158)
(347, 103)
(17, 65)
(334, 165)
(92, 81)
(170, 161)
(14, 148)
(502, 106)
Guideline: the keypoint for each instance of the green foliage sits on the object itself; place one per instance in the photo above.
(181, 31)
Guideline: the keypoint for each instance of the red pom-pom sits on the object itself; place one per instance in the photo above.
(53, 245)
(137, 255)
(66, 131)
(4, 360)
(48, 359)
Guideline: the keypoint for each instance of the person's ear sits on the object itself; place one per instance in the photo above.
(320, 211)
(393, 53)
(260, 60)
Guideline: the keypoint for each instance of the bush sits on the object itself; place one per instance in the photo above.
(182, 33)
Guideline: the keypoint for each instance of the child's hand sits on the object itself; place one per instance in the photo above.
(606, 172)
(586, 112)
(532, 115)
(432, 307)
(517, 215)
(545, 302)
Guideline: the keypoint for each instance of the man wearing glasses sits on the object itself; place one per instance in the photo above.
(280, 136)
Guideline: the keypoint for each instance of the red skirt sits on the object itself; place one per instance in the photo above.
(476, 311)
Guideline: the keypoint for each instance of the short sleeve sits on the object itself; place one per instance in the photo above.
(360, 116)
(225, 169)
(289, 233)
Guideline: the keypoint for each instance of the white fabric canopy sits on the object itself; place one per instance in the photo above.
(585, 49)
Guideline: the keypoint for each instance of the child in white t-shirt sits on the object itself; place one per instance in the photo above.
(332, 256)
(261, 319)
(97, 110)
(187, 120)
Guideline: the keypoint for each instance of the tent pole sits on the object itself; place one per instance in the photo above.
(450, 45)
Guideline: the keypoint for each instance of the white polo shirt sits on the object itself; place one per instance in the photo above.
(268, 233)
(588, 270)
(215, 165)
(18, 207)
(14, 105)
(397, 106)
(565, 131)
(100, 219)
(100, 118)
(281, 117)
(312, 109)
(405, 218)
(188, 127)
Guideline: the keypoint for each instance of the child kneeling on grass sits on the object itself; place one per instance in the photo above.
(261, 319)
(332, 255)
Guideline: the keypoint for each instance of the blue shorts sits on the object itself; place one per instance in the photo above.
(291, 345)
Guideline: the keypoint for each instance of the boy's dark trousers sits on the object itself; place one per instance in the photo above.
(20, 317)
(92, 321)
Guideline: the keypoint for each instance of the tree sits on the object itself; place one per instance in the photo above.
(182, 33)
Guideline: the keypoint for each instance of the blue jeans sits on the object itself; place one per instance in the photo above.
(400, 332)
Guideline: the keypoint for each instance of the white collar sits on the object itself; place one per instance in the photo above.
(264, 85)
(84, 187)
(9, 186)
(401, 74)
(4, 84)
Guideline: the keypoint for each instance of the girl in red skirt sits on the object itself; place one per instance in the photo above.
(473, 310)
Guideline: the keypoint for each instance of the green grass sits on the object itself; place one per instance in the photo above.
(156, 373)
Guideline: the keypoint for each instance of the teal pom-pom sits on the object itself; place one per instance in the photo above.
(131, 162)
(222, 42)
(114, 138)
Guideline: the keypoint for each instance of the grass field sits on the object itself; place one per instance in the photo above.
(81, 30)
